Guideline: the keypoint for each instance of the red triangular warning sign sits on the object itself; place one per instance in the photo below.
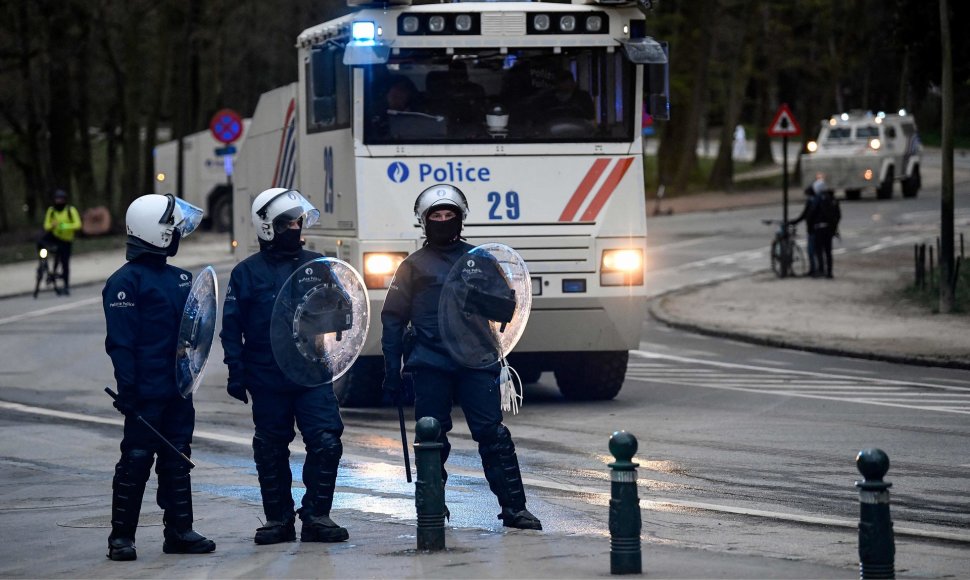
(784, 124)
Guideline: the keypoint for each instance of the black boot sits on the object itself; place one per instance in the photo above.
(128, 489)
(275, 533)
(187, 542)
(275, 482)
(523, 519)
(501, 467)
(121, 549)
(175, 498)
(320, 478)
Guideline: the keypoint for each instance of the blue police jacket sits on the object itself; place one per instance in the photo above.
(143, 303)
(250, 296)
(413, 297)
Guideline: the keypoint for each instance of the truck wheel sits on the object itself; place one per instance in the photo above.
(853, 194)
(912, 183)
(361, 385)
(591, 376)
(885, 189)
(221, 210)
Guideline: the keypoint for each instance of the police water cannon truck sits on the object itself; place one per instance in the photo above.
(532, 109)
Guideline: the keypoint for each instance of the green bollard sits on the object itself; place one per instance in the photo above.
(877, 549)
(625, 555)
(429, 491)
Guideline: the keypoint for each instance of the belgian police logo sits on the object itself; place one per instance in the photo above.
(122, 295)
(470, 263)
(184, 276)
(308, 271)
(398, 172)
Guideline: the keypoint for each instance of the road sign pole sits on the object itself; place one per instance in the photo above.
(784, 179)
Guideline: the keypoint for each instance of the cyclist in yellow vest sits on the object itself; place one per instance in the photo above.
(60, 223)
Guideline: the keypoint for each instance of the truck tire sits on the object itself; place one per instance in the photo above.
(220, 209)
(591, 376)
(912, 184)
(885, 189)
(853, 194)
(361, 385)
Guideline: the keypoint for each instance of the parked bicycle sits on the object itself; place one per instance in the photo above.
(49, 275)
(787, 257)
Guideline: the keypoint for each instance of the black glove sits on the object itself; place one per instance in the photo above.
(393, 386)
(126, 404)
(237, 391)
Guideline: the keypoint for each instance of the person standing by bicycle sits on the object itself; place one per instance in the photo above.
(61, 222)
(809, 215)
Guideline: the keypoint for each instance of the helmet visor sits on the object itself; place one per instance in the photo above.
(191, 216)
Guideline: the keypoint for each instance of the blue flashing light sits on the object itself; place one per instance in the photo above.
(363, 31)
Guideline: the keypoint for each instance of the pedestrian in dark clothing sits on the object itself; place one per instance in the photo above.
(828, 215)
(279, 214)
(412, 301)
(810, 215)
(143, 304)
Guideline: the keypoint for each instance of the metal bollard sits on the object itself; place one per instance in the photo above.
(625, 557)
(429, 491)
(877, 549)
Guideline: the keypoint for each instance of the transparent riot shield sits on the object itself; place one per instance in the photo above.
(196, 331)
(484, 306)
(319, 322)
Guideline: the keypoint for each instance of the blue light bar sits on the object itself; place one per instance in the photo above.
(363, 31)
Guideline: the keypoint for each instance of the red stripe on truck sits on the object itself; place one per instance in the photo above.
(583, 190)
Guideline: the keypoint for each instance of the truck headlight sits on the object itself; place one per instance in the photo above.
(621, 267)
(875, 144)
(379, 268)
(811, 146)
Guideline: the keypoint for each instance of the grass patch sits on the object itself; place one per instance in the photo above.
(929, 297)
(19, 250)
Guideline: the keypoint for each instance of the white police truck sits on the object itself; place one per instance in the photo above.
(206, 181)
(533, 109)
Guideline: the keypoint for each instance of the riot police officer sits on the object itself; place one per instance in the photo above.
(412, 300)
(279, 215)
(143, 304)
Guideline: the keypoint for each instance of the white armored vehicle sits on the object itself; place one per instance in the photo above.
(859, 150)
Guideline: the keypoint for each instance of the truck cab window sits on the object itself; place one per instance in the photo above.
(525, 96)
(328, 90)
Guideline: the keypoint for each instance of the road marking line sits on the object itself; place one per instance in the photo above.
(682, 244)
(696, 361)
(51, 310)
(765, 361)
(851, 371)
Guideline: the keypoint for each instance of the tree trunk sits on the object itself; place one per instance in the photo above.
(947, 298)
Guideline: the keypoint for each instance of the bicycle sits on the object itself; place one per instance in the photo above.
(787, 257)
(49, 276)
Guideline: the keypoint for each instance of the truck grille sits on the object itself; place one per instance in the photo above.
(503, 24)
(547, 255)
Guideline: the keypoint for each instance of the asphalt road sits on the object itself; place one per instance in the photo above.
(743, 449)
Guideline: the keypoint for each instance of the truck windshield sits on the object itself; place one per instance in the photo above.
(486, 96)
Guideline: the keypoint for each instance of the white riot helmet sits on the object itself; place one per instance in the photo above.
(441, 194)
(153, 219)
(275, 208)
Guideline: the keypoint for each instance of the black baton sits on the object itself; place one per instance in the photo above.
(159, 435)
(404, 442)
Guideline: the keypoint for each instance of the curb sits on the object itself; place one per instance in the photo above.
(657, 313)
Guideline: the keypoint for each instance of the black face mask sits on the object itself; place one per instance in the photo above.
(59, 206)
(173, 248)
(443, 232)
(288, 241)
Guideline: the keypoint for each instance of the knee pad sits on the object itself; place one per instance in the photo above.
(496, 440)
(135, 465)
(268, 448)
(325, 445)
